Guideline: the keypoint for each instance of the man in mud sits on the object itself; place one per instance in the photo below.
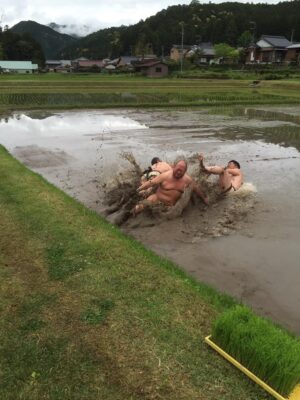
(157, 167)
(170, 187)
(230, 177)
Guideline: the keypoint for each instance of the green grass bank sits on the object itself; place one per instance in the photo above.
(88, 313)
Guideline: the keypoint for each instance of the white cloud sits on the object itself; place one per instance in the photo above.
(92, 13)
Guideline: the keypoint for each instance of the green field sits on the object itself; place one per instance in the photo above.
(86, 312)
(61, 91)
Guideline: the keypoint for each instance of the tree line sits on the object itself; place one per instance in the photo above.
(236, 24)
(20, 47)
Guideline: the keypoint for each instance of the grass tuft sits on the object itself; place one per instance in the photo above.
(98, 312)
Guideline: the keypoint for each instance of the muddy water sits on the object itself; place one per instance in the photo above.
(246, 245)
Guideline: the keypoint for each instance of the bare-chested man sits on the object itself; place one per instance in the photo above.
(230, 177)
(170, 187)
(157, 167)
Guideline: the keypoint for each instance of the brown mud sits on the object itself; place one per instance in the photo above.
(245, 244)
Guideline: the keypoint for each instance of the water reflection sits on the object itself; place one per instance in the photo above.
(20, 126)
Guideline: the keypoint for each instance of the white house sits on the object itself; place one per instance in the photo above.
(20, 67)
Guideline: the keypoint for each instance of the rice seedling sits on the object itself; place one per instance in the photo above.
(265, 349)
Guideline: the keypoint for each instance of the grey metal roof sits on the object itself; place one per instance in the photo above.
(206, 48)
(276, 41)
(17, 65)
(294, 46)
(127, 59)
(53, 62)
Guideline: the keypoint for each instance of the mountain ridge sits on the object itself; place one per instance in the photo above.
(216, 23)
(52, 42)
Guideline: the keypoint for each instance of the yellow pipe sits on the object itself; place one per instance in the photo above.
(295, 395)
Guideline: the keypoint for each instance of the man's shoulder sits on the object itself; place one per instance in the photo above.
(188, 178)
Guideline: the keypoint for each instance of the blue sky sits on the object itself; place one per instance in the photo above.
(94, 14)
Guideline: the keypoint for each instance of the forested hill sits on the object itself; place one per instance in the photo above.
(52, 42)
(217, 23)
(23, 47)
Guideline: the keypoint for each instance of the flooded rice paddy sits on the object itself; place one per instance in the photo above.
(246, 245)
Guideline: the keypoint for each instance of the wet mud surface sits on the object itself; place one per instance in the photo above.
(245, 244)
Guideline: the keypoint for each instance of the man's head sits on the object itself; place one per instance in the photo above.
(179, 169)
(233, 164)
(155, 160)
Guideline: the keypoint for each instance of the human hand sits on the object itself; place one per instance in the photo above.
(200, 157)
(206, 200)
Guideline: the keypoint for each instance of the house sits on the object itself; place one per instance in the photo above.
(152, 68)
(125, 63)
(19, 67)
(58, 65)
(293, 54)
(87, 65)
(269, 49)
(204, 53)
(177, 50)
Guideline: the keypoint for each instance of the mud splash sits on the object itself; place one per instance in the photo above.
(225, 214)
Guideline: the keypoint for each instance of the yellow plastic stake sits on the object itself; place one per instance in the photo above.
(295, 395)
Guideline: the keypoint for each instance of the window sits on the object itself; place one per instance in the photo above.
(158, 69)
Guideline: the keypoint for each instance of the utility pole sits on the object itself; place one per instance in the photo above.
(292, 35)
(253, 29)
(182, 35)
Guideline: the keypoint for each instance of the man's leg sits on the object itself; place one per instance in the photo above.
(141, 206)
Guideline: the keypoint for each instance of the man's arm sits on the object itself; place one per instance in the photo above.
(234, 171)
(216, 170)
(199, 192)
(153, 182)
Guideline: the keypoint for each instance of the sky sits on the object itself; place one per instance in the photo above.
(94, 14)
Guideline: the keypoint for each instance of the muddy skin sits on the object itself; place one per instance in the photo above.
(225, 214)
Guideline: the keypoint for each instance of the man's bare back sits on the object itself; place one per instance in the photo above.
(161, 167)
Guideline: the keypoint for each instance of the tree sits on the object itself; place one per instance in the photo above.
(245, 39)
(224, 51)
(20, 47)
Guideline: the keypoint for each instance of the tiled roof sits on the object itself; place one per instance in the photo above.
(276, 41)
(90, 63)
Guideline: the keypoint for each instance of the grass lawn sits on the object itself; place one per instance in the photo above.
(87, 313)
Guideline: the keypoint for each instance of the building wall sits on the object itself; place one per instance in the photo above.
(156, 71)
(21, 71)
(175, 53)
(293, 55)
